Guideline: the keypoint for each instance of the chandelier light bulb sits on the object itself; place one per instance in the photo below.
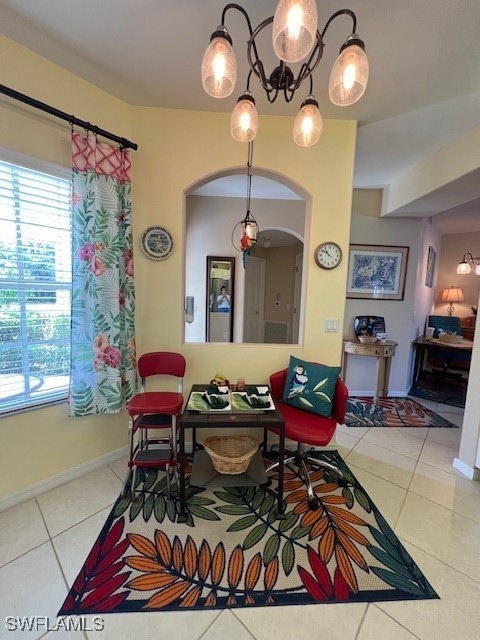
(244, 119)
(294, 29)
(349, 75)
(308, 125)
(219, 66)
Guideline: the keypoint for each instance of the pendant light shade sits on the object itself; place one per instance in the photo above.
(244, 119)
(294, 29)
(308, 125)
(463, 268)
(219, 65)
(349, 76)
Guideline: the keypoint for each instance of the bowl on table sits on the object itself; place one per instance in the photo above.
(368, 339)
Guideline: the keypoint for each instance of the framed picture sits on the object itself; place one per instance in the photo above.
(376, 272)
(430, 272)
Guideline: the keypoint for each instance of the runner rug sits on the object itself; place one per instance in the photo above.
(234, 552)
(452, 392)
(392, 412)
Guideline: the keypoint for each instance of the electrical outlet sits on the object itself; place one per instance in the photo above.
(331, 325)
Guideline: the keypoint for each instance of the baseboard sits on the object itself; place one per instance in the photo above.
(369, 394)
(61, 478)
(472, 473)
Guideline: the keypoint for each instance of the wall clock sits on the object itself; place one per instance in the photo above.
(328, 255)
(157, 243)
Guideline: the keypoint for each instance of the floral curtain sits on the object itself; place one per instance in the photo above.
(103, 368)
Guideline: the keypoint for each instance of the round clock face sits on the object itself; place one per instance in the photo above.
(328, 255)
(157, 243)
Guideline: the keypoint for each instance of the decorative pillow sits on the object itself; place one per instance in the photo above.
(310, 386)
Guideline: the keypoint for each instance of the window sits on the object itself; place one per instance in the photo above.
(35, 283)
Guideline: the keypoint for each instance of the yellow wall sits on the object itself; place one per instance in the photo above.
(176, 149)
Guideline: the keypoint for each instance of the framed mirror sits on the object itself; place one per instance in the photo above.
(220, 299)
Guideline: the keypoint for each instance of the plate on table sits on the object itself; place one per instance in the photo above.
(253, 398)
(212, 399)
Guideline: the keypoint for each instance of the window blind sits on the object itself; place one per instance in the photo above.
(35, 284)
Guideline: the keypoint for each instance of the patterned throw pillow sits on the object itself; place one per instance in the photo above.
(310, 386)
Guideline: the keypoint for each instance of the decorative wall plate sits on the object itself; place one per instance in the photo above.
(157, 243)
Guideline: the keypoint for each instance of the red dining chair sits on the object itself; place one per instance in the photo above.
(308, 429)
(150, 411)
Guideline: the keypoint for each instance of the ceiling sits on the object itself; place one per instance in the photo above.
(423, 92)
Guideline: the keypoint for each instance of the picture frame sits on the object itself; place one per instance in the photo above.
(376, 272)
(430, 270)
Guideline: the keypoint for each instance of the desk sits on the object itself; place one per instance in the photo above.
(382, 351)
(211, 420)
(422, 345)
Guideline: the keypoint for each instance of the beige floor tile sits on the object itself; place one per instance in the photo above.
(31, 585)
(344, 442)
(452, 416)
(285, 623)
(447, 437)
(227, 625)
(455, 615)
(21, 529)
(442, 533)
(377, 625)
(388, 497)
(419, 432)
(439, 456)
(73, 546)
(383, 463)
(78, 499)
(165, 625)
(448, 490)
(397, 440)
(356, 432)
(120, 467)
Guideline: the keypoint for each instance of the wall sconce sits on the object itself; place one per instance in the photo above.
(468, 262)
(451, 295)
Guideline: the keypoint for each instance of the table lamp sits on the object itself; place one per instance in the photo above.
(451, 295)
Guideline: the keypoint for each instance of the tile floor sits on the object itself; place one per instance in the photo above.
(407, 472)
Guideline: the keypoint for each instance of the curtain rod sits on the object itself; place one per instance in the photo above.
(123, 142)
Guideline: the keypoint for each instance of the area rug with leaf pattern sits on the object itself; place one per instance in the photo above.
(391, 412)
(233, 551)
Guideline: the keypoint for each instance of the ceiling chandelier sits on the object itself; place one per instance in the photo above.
(468, 263)
(295, 39)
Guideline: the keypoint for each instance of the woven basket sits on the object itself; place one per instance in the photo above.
(450, 338)
(231, 454)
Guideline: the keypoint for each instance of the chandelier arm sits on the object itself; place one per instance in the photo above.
(257, 65)
(341, 12)
(233, 5)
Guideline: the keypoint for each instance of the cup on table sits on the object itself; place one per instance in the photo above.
(240, 386)
(429, 331)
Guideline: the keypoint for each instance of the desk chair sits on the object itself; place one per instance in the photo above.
(153, 410)
(308, 429)
(447, 359)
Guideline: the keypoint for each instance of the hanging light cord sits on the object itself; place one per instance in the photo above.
(249, 175)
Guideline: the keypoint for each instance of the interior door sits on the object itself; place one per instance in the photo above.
(254, 307)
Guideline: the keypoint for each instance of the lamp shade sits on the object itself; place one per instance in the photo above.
(452, 294)
(244, 119)
(349, 75)
(294, 29)
(463, 268)
(308, 125)
(219, 67)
